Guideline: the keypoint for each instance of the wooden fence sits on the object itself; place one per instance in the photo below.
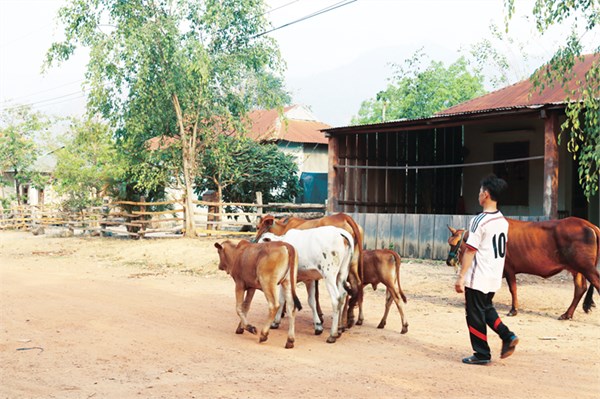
(136, 220)
(414, 235)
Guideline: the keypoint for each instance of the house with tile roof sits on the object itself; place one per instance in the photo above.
(297, 132)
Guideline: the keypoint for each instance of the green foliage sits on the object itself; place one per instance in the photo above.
(239, 167)
(582, 126)
(417, 92)
(188, 70)
(88, 164)
(20, 127)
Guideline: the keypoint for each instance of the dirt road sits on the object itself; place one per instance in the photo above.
(113, 318)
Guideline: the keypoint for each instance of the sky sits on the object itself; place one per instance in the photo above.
(334, 60)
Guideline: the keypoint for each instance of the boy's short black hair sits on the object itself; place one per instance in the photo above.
(494, 185)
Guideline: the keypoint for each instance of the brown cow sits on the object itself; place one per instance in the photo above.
(383, 266)
(545, 249)
(279, 227)
(261, 266)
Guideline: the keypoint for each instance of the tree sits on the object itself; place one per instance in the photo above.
(415, 92)
(187, 70)
(19, 151)
(238, 167)
(88, 164)
(582, 125)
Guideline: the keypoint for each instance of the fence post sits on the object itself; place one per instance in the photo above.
(259, 208)
(142, 218)
(211, 196)
(105, 210)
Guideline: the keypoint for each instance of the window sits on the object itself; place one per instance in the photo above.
(516, 174)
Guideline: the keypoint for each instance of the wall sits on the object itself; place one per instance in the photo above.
(515, 129)
(308, 157)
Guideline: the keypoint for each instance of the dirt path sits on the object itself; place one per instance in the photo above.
(111, 318)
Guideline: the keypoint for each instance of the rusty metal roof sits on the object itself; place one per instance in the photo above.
(523, 94)
(295, 124)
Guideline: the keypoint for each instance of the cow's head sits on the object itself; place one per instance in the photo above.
(455, 241)
(264, 225)
(225, 250)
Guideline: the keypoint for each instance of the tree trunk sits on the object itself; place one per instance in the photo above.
(188, 150)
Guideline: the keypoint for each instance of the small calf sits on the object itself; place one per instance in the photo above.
(383, 266)
(264, 267)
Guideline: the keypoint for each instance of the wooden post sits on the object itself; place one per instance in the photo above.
(332, 181)
(550, 200)
(259, 208)
(105, 210)
(142, 218)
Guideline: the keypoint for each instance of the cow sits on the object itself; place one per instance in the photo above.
(323, 252)
(264, 267)
(383, 266)
(544, 249)
(280, 226)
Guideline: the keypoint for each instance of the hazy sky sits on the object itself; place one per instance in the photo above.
(335, 60)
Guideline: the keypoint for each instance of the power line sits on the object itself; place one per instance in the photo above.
(12, 100)
(314, 14)
(37, 103)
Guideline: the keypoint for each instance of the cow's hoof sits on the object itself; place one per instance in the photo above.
(274, 326)
(404, 329)
(513, 312)
(318, 329)
(359, 322)
(239, 330)
(381, 325)
(565, 317)
(289, 344)
(331, 339)
(251, 329)
(587, 308)
(263, 337)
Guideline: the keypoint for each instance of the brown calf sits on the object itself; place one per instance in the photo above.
(383, 266)
(545, 249)
(262, 266)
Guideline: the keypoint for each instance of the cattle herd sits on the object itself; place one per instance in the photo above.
(287, 251)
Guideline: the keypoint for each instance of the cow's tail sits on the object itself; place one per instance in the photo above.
(397, 260)
(588, 301)
(358, 243)
(348, 255)
(293, 270)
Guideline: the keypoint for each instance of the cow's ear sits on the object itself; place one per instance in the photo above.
(218, 246)
(452, 230)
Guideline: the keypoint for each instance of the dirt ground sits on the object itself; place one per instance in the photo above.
(116, 318)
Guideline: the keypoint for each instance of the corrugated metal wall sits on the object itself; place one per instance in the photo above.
(414, 235)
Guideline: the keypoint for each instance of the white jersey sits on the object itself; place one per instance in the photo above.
(488, 235)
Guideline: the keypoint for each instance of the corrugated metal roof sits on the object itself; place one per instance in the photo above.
(523, 94)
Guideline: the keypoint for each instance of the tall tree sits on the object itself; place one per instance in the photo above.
(416, 92)
(582, 125)
(20, 126)
(88, 164)
(185, 69)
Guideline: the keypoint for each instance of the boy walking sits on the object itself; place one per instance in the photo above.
(480, 275)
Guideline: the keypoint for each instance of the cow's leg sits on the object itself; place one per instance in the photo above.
(279, 315)
(580, 284)
(242, 308)
(388, 304)
(336, 306)
(311, 289)
(588, 302)
(361, 316)
(398, 301)
(273, 303)
(318, 303)
(511, 281)
(291, 311)
(355, 283)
